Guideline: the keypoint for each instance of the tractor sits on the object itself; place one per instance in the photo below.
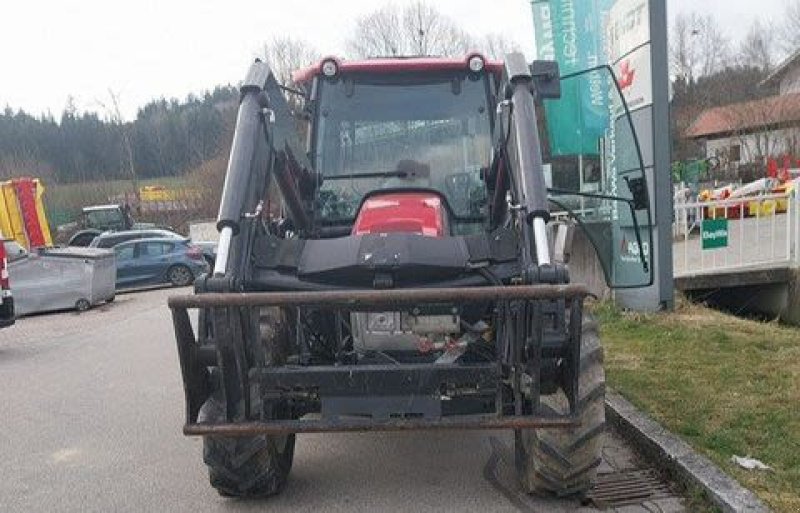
(96, 219)
(417, 274)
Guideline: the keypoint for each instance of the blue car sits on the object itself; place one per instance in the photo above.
(158, 261)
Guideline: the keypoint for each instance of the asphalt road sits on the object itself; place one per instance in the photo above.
(91, 419)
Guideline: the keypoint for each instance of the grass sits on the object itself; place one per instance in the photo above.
(82, 193)
(728, 386)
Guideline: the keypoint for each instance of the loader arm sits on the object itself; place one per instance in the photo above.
(265, 145)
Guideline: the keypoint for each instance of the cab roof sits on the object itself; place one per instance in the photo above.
(397, 65)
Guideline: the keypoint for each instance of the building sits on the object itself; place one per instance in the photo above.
(749, 132)
(786, 76)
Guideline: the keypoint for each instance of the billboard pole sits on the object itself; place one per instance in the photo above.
(662, 177)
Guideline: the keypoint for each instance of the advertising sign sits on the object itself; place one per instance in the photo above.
(628, 50)
(571, 32)
(714, 233)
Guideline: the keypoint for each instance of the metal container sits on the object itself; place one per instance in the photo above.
(62, 278)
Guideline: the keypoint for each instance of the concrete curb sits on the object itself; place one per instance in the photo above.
(682, 462)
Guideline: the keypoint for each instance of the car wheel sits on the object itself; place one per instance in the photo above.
(180, 276)
(82, 305)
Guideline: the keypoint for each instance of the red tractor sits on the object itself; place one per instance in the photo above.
(415, 281)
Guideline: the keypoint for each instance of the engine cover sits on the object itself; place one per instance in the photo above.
(410, 212)
(400, 331)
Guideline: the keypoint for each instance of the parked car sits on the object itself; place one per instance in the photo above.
(158, 260)
(6, 300)
(60, 278)
(205, 235)
(110, 239)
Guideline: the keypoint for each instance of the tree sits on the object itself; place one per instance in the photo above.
(115, 117)
(286, 55)
(758, 47)
(790, 36)
(417, 29)
(496, 46)
(697, 46)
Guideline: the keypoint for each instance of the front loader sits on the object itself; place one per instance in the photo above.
(416, 276)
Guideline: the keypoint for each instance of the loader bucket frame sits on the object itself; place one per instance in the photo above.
(520, 308)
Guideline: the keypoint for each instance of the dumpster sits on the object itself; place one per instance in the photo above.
(62, 278)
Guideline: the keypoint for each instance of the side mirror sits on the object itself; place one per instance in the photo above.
(546, 79)
(638, 190)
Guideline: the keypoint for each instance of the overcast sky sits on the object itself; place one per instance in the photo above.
(144, 49)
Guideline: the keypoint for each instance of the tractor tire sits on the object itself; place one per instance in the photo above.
(253, 466)
(246, 467)
(563, 462)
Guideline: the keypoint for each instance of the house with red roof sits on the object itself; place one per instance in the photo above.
(753, 131)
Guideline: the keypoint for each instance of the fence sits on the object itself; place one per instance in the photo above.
(736, 233)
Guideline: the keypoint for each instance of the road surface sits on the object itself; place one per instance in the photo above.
(92, 413)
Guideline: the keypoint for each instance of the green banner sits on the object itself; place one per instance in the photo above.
(571, 32)
(714, 233)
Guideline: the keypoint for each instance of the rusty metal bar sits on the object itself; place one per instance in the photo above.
(381, 298)
(278, 427)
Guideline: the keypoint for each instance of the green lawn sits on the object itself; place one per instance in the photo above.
(726, 385)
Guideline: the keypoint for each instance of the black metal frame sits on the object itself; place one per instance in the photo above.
(520, 306)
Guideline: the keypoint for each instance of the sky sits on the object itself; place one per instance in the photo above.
(51, 50)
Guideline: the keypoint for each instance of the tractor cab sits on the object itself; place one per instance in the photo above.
(418, 145)
(410, 131)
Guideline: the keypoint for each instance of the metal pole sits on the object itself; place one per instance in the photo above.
(796, 232)
(741, 234)
(789, 211)
(223, 251)
(540, 239)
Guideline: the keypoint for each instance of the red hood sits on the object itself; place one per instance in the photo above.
(412, 212)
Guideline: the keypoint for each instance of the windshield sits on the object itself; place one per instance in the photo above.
(377, 134)
(102, 219)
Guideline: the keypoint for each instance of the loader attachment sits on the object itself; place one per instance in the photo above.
(377, 396)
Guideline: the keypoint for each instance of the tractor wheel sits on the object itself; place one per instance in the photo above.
(254, 466)
(564, 462)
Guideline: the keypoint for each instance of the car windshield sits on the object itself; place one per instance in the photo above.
(394, 133)
(103, 218)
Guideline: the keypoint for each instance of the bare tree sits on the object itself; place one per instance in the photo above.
(417, 29)
(697, 46)
(496, 46)
(790, 36)
(758, 47)
(114, 114)
(286, 55)
(682, 50)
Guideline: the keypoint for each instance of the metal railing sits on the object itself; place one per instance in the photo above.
(759, 231)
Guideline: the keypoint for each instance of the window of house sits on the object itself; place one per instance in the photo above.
(735, 153)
